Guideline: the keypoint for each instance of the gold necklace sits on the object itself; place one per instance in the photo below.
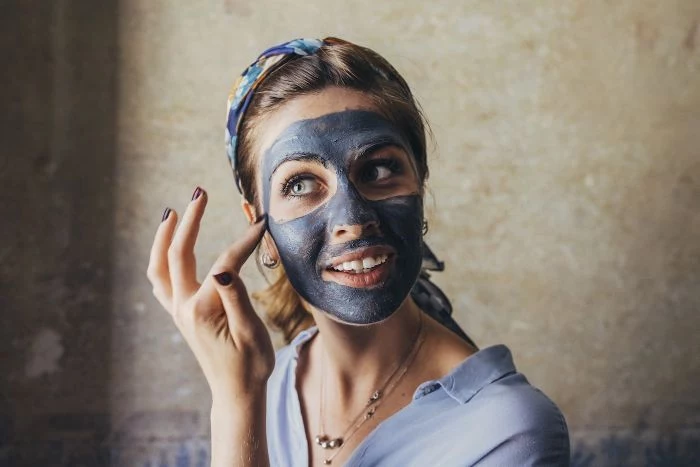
(373, 403)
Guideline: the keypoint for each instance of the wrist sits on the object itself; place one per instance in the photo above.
(239, 400)
(238, 431)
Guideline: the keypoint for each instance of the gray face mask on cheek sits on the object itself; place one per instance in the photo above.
(304, 243)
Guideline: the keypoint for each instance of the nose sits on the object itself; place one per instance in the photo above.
(346, 232)
(351, 216)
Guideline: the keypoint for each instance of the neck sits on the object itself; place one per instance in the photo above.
(357, 360)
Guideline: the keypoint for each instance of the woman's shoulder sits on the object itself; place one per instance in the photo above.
(524, 406)
(484, 412)
(519, 422)
(490, 375)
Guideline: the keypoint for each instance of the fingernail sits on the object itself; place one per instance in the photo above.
(166, 213)
(223, 278)
(197, 193)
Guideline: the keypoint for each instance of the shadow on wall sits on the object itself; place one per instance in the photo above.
(57, 128)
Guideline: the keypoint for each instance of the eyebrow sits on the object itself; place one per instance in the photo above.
(376, 146)
(299, 157)
(387, 142)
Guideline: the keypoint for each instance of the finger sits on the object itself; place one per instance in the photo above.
(164, 299)
(240, 314)
(223, 276)
(181, 260)
(237, 254)
(157, 272)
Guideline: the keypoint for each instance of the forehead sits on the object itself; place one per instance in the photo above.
(334, 137)
(330, 100)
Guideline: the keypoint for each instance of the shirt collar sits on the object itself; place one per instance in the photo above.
(473, 374)
(463, 382)
(302, 338)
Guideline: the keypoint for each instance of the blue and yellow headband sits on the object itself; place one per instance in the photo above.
(250, 79)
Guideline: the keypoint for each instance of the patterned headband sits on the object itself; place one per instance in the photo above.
(250, 79)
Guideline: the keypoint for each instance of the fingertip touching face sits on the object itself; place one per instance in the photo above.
(344, 202)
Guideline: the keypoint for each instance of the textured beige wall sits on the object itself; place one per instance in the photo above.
(565, 181)
(565, 194)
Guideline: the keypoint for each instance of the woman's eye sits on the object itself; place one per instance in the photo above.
(379, 171)
(300, 187)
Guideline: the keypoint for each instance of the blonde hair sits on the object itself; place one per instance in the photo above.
(336, 63)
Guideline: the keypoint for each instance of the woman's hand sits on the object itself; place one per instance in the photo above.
(216, 318)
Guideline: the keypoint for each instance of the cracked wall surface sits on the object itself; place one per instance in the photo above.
(564, 199)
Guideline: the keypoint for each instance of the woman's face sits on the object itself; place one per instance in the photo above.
(343, 197)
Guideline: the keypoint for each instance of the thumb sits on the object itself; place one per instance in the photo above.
(224, 277)
(238, 253)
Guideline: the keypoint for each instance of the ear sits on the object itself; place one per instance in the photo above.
(248, 210)
(250, 214)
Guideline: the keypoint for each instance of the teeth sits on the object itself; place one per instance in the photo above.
(361, 265)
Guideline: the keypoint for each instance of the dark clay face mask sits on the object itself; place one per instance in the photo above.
(306, 243)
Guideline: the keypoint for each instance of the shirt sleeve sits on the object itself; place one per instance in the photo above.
(537, 436)
(529, 450)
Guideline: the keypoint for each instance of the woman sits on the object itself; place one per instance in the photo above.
(328, 149)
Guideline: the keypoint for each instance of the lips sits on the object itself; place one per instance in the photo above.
(373, 277)
(360, 268)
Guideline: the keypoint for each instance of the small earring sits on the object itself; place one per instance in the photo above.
(425, 228)
(269, 262)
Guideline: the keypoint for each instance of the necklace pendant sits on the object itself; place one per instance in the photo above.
(374, 397)
(370, 413)
(335, 443)
(327, 443)
(327, 462)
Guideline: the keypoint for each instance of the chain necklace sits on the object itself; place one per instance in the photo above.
(373, 403)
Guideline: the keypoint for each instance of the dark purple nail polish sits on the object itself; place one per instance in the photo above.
(197, 193)
(223, 278)
(166, 213)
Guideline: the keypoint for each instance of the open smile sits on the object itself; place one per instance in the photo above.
(361, 268)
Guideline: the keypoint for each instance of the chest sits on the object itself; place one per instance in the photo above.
(353, 426)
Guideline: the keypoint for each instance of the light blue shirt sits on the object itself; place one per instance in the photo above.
(483, 413)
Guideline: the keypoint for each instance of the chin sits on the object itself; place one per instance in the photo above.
(362, 306)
